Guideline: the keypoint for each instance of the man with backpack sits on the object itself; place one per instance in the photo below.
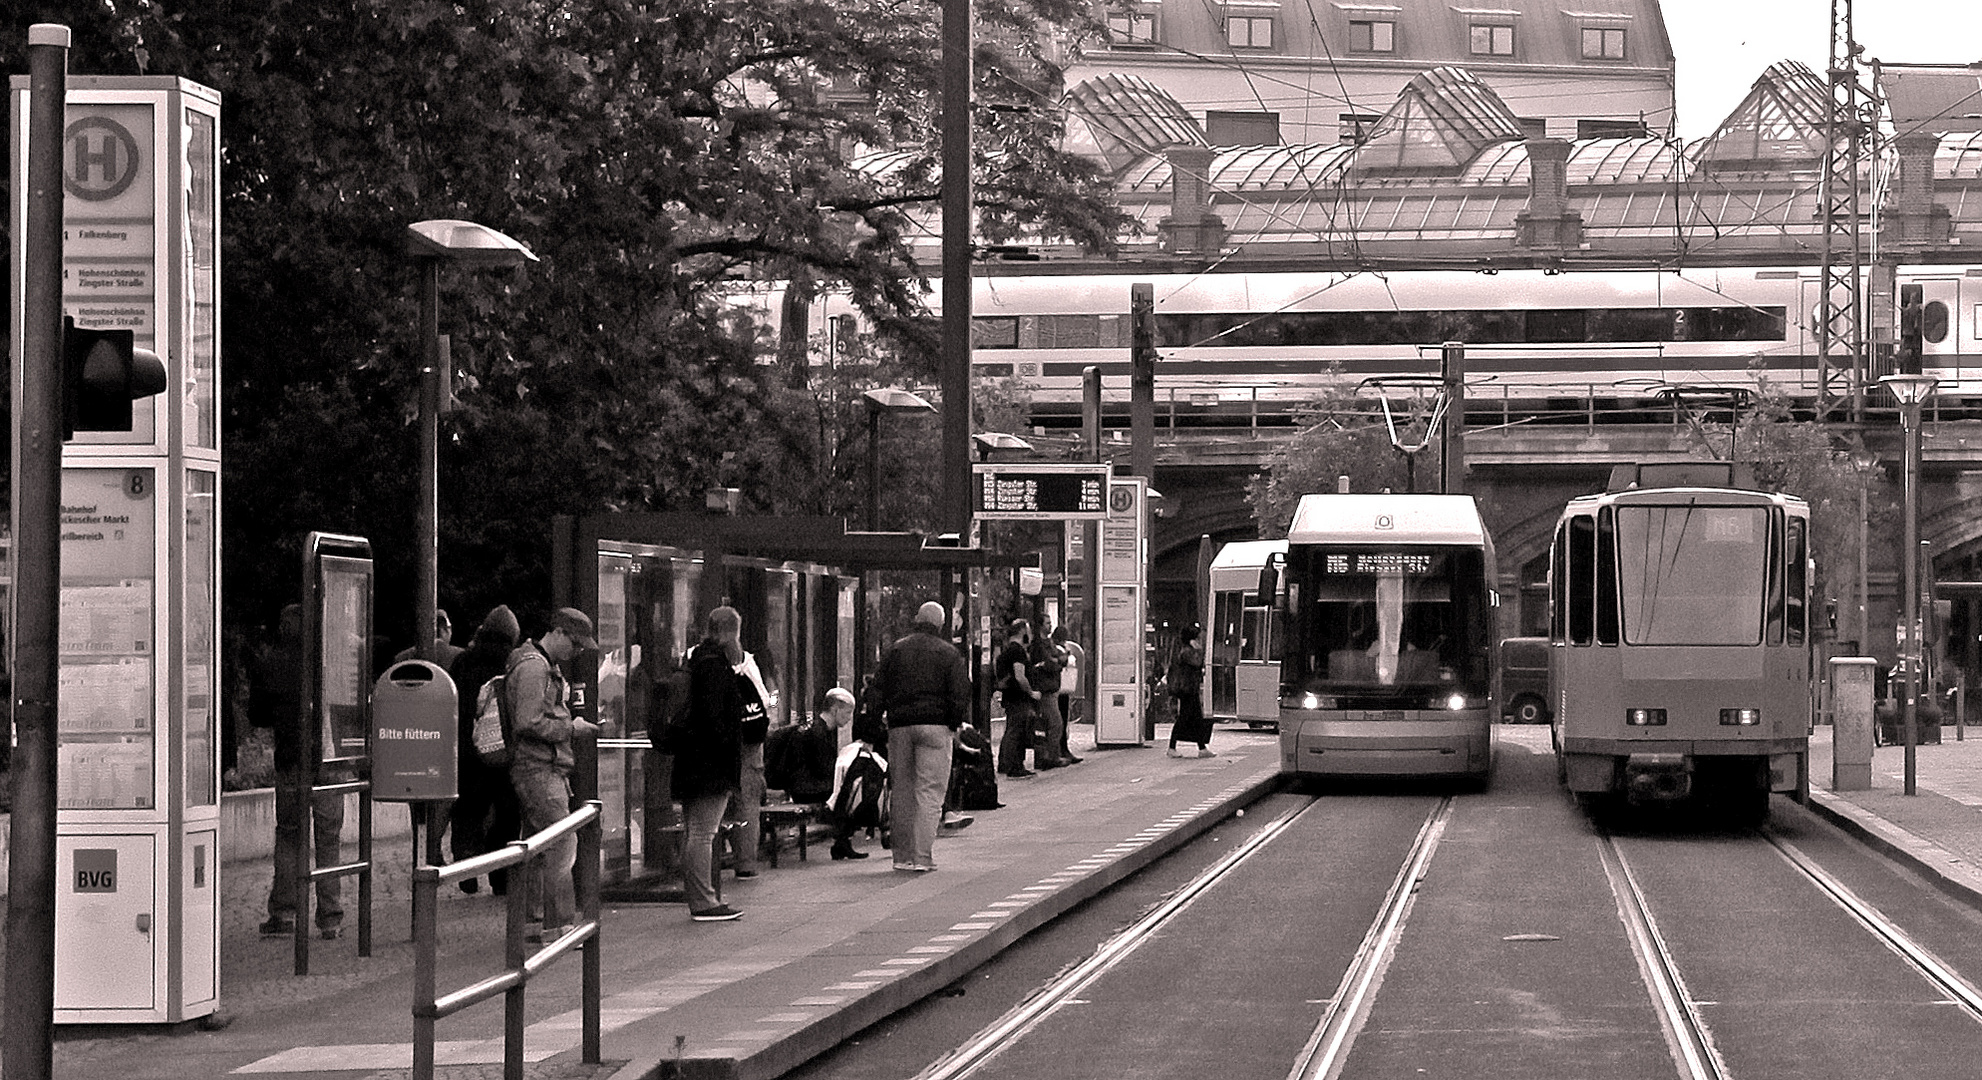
(485, 816)
(540, 756)
(923, 689)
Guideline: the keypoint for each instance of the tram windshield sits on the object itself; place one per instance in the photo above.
(1373, 619)
(1692, 575)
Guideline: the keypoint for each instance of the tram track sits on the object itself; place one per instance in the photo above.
(1327, 1049)
(1689, 1037)
(1025, 1016)
(1686, 1032)
(1936, 971)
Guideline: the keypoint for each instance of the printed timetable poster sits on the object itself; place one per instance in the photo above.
(105, 722)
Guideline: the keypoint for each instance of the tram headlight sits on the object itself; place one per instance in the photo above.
(1741, 717)
(1644, 717)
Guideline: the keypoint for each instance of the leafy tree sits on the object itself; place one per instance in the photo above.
(658, 157)
(1802, 458)
(1339, 436)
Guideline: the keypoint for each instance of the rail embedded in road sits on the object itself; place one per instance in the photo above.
(1327, 1049)
(1026, 1015)
(1686, 1033)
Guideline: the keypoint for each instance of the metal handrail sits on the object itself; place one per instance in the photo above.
(518, 967)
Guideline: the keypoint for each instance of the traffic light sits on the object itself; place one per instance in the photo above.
(1906, 358)
(103, 371)
(1142, 326)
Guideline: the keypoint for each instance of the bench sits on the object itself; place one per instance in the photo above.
(777, 815)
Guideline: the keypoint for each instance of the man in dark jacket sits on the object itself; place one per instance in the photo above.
(485, 817)
(708, 758)
(923, 689)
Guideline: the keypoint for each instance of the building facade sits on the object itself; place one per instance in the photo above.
(1263, 72)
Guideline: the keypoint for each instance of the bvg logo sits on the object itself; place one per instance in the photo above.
(96, 870)
(100, 159)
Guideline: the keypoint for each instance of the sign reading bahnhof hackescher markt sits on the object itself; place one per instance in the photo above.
(1027, 491)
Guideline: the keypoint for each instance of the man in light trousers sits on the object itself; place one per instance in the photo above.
(922, 687)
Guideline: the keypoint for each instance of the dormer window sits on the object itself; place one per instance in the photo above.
(1250, 26)
(1603, 43)
(1133, 27)
(1492, 39)
(1372, 36)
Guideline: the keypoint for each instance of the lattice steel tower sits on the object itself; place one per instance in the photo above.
(1852, 126)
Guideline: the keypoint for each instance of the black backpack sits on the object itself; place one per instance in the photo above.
(863, 799)
(670, 711)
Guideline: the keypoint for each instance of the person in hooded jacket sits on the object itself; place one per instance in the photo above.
(485, 816)
(708, 758)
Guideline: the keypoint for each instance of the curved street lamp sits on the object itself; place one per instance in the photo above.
(430, 243)
(886, 399)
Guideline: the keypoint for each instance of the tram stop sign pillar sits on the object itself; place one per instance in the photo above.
(1851, 720)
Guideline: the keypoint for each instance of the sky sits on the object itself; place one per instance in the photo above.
(1723, 46)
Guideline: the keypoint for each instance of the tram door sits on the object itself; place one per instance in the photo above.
(1227, 637)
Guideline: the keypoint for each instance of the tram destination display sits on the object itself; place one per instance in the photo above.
(1029, 492)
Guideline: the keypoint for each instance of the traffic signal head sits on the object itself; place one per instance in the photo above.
(1906, 358)
(103, 371)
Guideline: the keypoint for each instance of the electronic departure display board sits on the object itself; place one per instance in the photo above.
(1033, 492)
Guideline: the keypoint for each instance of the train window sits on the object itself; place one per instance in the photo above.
(1934, 322)
(1548, 327)
(1606, 571)
(1796, 587)
(994, 332)
(1477, 326)
(1582, 579)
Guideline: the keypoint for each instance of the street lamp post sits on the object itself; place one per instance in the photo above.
(989, 443)
(431, 243)
(1911, 391)
(887, 399)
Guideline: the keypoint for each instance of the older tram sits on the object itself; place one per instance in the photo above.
(1680, 645)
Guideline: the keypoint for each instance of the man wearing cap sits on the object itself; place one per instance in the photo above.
(540, 760)
(923, 689)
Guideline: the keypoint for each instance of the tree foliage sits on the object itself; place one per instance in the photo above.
(1802, 458)
(1339, 435)
(658, 157)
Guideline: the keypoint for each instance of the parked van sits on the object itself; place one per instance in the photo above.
(1524, 680)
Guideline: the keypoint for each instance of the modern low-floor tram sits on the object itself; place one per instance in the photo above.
(1387, 661)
